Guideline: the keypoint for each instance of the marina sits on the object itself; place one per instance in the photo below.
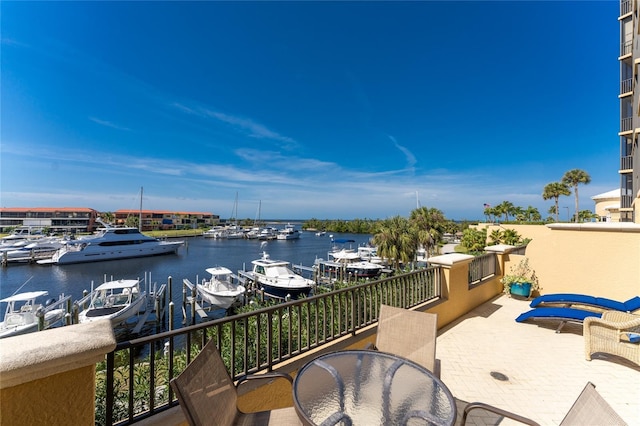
(190, 262)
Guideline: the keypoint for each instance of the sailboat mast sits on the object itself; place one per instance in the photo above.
(140, 213)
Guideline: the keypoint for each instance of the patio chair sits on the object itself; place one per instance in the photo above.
(410, 334)
(208, 395)
(616, 333)
(589, 409)
(563, 314)
(569, 299)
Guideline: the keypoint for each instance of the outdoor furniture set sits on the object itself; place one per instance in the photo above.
(396, 381)
(609, 326)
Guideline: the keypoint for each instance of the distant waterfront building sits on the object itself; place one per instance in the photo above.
(167, 219)
(83, 219)
(629, 111)
(56, 219)
(608, 206)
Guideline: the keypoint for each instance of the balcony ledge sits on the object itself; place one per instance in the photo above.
(34, 356)
(596, 226)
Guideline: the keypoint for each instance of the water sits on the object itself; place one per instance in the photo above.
(190, 262)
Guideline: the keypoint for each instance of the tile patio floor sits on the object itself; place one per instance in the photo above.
(546, 371)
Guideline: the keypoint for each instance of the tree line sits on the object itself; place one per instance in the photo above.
(554, 190)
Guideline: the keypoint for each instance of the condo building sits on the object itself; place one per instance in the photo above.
(629, 95)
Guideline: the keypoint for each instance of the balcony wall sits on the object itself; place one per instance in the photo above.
(591, 258)
(49, 377)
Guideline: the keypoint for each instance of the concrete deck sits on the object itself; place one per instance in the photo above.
(546, 370)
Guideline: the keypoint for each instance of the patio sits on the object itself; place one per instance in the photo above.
(546, 371)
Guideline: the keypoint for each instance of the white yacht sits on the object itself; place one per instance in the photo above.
(355, 265)
(111, 243)
(38, 248)
(116, 301)
(288, 233)
(222, 290)
(23, 318)
(277, 279)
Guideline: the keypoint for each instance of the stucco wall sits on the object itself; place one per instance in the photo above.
(600, 259)
(61, 399)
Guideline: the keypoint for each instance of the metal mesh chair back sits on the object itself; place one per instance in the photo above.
(591, 409)
(410, 334)
(205, 391)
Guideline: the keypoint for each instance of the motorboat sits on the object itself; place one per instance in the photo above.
(111, 243)
(216, 232)
(369, 253)
(36, 249)
(21, 318)
(222, 290)
(277, 279)
(20, 237)
(268, 233)
(116, 301)
(289, 232)
(355, 265)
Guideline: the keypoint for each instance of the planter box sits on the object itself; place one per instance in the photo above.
(523, 289)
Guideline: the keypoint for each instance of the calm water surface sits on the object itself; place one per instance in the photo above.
(191, 261)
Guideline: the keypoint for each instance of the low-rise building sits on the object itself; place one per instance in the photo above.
(167, 219)
(56, 219)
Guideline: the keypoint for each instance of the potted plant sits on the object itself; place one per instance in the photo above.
(521, 280)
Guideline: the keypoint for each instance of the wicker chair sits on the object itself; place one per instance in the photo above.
(208, 395)
(616, 333)
(589, 409)
(410, 334)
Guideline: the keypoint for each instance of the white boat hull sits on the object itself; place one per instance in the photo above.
(223, 299)
(82, 255)
(116, 315)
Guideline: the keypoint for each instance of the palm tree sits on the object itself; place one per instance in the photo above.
(506, 208)
(395, 241)
(574, 178)
(428, 225)
(555, 190)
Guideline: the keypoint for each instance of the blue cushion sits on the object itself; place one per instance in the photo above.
(569, 314)
(630, 305)
(634, 337)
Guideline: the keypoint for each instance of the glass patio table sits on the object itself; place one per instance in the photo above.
(367, 387)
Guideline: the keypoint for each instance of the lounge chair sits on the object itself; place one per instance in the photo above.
(589, 409)
(563, 314)
(410, 334)
(616, 333)
(569, 299)
(208, 395)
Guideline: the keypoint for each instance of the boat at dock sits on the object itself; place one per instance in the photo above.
(289, 232)
(223, 290)
(276, 279)
(111, 243)
(21, 318)
(116, 301)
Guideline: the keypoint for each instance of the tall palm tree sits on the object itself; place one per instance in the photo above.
(428, 225)
(574, 178)
(506, 208)
(395, 241)
(555, 190)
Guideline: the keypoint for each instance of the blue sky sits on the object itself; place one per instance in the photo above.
(313, 109)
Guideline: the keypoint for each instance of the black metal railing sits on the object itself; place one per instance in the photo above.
(625, 48)
(482, 267)
(625, 7)
(134, 382)
(626, 201)
(626, 162)
(626, 85)
(625, 124)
